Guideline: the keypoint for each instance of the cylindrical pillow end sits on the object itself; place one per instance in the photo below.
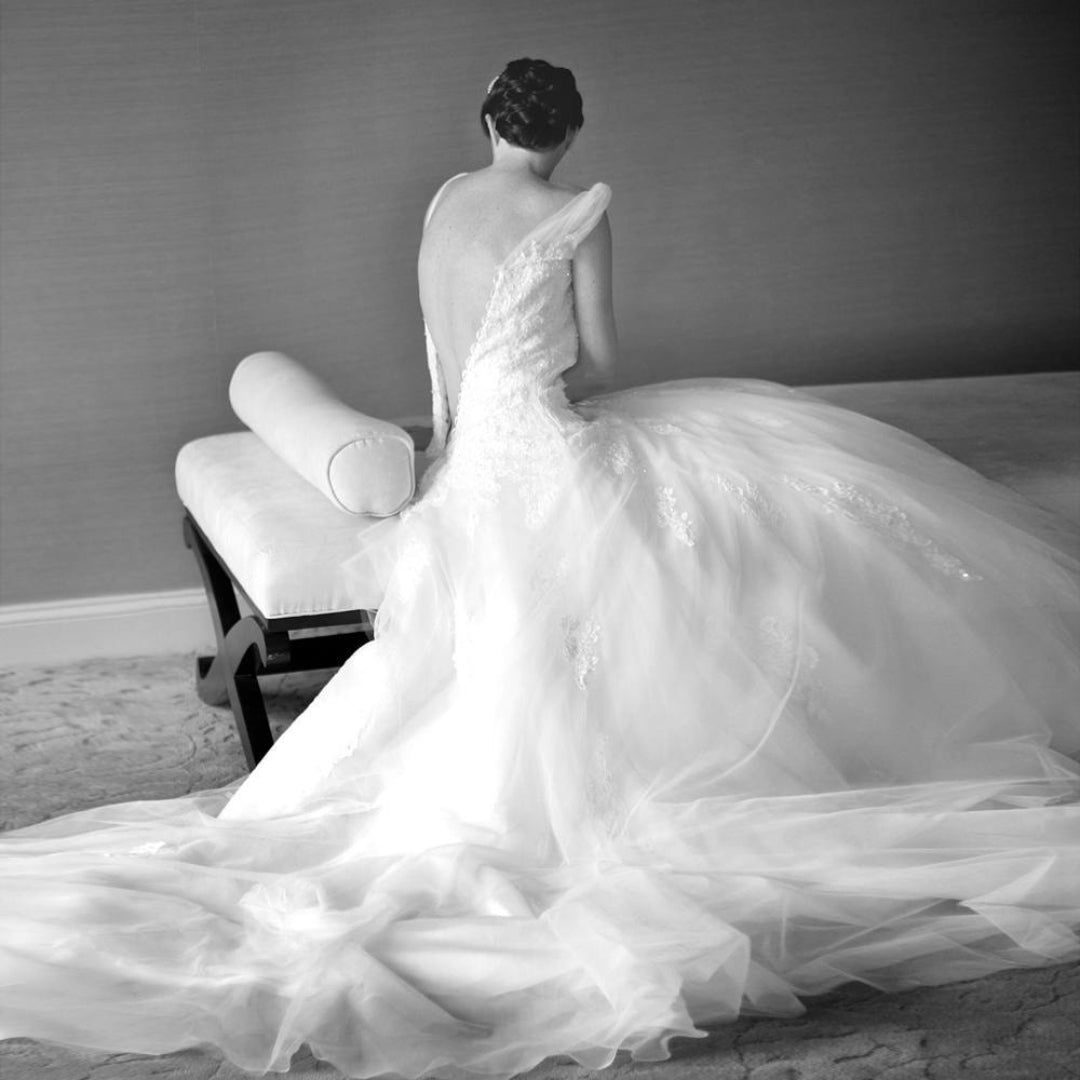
(373, 477)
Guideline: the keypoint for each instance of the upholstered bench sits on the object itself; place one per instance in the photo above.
(268, 538)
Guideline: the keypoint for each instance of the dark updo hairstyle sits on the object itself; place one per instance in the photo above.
(533, 104)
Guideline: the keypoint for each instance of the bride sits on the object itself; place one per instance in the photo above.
(686, 700)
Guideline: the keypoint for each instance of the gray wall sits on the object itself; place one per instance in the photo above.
(843, 190)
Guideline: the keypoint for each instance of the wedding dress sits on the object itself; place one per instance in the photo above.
(688, 700)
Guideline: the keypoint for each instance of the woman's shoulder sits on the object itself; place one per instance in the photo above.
(465, 188)
(439, 195)
(552, 198)
(487, 177)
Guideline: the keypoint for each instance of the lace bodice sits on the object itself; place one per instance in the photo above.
(510, 384)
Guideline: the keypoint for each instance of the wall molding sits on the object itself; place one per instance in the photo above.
(132, 624)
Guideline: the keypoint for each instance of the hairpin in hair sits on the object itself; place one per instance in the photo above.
(492, 84)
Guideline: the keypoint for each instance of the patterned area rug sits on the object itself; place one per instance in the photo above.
(104, 731)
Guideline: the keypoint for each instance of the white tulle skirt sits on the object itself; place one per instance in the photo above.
(727, 697)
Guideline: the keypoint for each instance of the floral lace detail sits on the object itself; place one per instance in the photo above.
(671, 517)
(885, 519)
(617, 454)
(660, 427)
(513, 420)
(605, 437)
(581, 641)
(751, 500)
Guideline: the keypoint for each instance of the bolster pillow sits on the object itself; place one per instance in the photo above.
(362, 465)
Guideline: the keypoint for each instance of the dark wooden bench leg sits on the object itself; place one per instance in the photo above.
(248, 651)
(248, 647)
(244, 649)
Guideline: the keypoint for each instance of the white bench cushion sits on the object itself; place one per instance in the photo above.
(282, 540)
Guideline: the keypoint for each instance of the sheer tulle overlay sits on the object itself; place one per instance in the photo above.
(685, 701)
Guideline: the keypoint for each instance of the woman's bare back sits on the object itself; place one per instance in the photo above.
(474, 223)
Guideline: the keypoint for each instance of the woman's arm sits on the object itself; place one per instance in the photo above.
(598, 346)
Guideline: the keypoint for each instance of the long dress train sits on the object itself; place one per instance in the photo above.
(687, 700)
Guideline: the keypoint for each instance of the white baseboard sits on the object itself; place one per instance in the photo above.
(136, 624)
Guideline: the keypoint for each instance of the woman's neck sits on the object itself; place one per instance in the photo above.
(517, 161)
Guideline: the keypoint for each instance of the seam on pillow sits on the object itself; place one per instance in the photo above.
(364, 440)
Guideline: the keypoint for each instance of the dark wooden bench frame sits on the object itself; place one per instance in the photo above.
(249, 646)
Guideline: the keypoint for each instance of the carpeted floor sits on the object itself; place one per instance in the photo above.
(99, 732)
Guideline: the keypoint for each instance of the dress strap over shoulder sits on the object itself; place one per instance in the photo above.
(572, 222)
(585, 211)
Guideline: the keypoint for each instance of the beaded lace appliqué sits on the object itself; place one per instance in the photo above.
(513, 424)
(614, 449)
(671, 517)
(885, 519)
(604, 436)
(581, 647)
(618, 457)
(751, 500)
